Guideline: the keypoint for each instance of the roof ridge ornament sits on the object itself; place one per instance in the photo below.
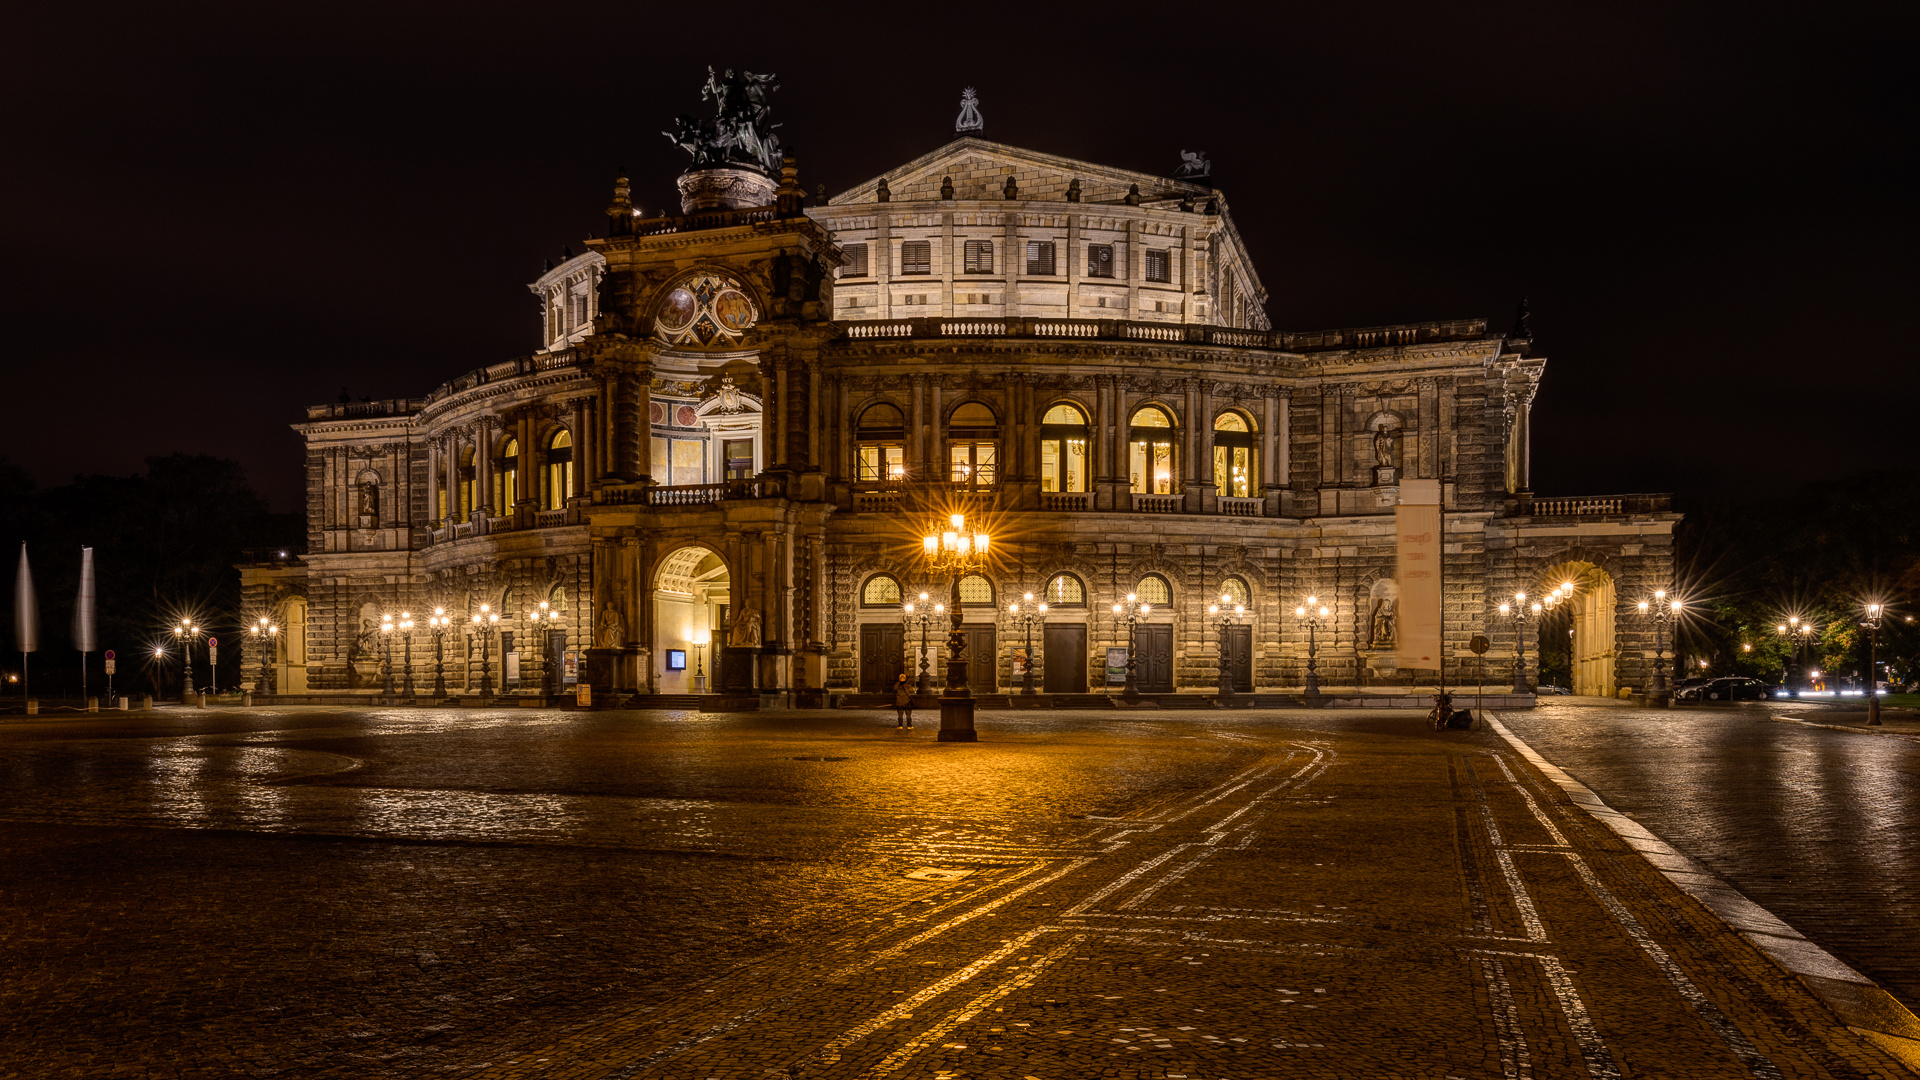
(970, 113)
(1194, 164)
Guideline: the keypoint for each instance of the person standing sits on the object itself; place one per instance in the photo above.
(902, 705)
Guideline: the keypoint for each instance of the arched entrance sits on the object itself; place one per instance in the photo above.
(691, 594)
(1577, 637)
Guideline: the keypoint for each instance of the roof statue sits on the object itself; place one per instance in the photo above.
(739, 133)
(969, 112)
(1522, 322)
(1194, 163)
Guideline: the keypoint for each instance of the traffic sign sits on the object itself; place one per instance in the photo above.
(1479, 644)
(109, 656)
(109, 664)
(214, 642)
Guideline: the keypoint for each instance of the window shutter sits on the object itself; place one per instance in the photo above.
(916, 257)
(979, 257)
(1100, 260)
(1039, 258)
(856, 260)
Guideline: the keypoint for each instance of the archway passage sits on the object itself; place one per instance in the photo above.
(1587, 622)
(691, 594)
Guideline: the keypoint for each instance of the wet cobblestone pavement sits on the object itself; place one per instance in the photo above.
(338, 893)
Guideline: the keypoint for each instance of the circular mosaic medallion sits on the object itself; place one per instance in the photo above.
(678, 312)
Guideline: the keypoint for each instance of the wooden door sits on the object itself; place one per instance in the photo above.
(1064, 661)
(1153, 674)
(1240, 658)
(983, 659)
(880, 656)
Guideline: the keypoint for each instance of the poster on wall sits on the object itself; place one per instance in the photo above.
(511, 676)
(1019, 661)
(1117, 667)
(570, 666)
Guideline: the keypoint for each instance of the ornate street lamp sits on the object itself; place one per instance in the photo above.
(1796, 634)
(1132, 610)
(923, 616)
(439, 622)
(1871, 624)
(952, 549)
(543, 613)
(1520, 612)
(386, 654)
(406, 643)
(1312, 613)
(484, 624)
(1662, 611)
(264, 634)
(1228, 614)
(186, 633)
(1026, 619)
(701, 639)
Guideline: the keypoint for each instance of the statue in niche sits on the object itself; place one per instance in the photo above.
(1383, 629)
(1386, 447)
(739, 133)
(612, 633)
(745, 631)
(368, 511)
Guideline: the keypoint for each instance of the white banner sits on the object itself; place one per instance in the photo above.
(1417, 549)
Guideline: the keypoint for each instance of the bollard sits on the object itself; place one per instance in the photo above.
(123, 703)
(146, 701)
(246, 699)
(199, 701)
(93, 704)
(33, 706)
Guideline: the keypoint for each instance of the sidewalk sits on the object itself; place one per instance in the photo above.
(1373, 901)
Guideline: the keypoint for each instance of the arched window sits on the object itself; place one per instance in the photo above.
(1151, 461)
(466, 506)
(973, 444)
(882, 590)
(975, 589)
(881, 438)
(506, 479)
(559, 469)
(1063, 449)
(1153, 589)
(1236, 592)
(1233, 458)
(1065, 590)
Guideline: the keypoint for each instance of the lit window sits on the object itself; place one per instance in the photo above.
(1063, 449)
(975, 589)
(559, 470)
(882, 591)
(1065, 590)
(1150, 452)
(1153, 589)
(1233, 457)
(1236, 592)
(880, 438)
(506, 479)
(973, 435)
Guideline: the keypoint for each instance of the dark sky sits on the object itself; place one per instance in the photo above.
(215, 214)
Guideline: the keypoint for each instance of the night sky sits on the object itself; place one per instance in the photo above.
(216, 215)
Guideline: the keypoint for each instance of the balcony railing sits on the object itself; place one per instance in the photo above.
(1594, 505)
(1157, 504)
(1233, 507)
(1367, 337)
(757, 487)
(1071, 501)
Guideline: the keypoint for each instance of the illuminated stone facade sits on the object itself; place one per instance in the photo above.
(741, 420)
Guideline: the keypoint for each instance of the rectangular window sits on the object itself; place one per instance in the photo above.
(856, 261)
(916, 257)
(879, 461)
(979, 257)
(1039, 258)
(1099, 260)
(739, 463)
(1159, 266)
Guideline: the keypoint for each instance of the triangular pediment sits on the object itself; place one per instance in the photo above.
(980, 169)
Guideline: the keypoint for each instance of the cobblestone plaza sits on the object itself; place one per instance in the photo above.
(531, 893)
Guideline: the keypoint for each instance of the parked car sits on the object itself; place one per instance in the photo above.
(1733, 688)
(1689, 689)
(1545, 690)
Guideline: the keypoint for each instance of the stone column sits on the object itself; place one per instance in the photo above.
(917, 440)
(483, 466)
(936, 430)
(433, 483)
(583, 441)
(816, 416)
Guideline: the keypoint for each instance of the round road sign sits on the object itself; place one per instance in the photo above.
(1479, 644)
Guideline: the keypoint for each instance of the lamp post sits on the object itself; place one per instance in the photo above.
(1871, 624)
(406, 644)
(438, 623)
(264, 634)
(544, 613)
(1131, 610)
(1662, 611)
(923, 617)
(484, 624)
(386, 654)
(1228, 617)
(701, 638)
(1519, 612)
(955, 551)
(186, 633)
(1026, 619)
(1796, 634)
(1312, 613)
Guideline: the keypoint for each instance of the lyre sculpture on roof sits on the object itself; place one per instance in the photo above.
(969, 112)
(1194, 163)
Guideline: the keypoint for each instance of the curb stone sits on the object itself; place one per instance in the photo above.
(1861, 1005)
